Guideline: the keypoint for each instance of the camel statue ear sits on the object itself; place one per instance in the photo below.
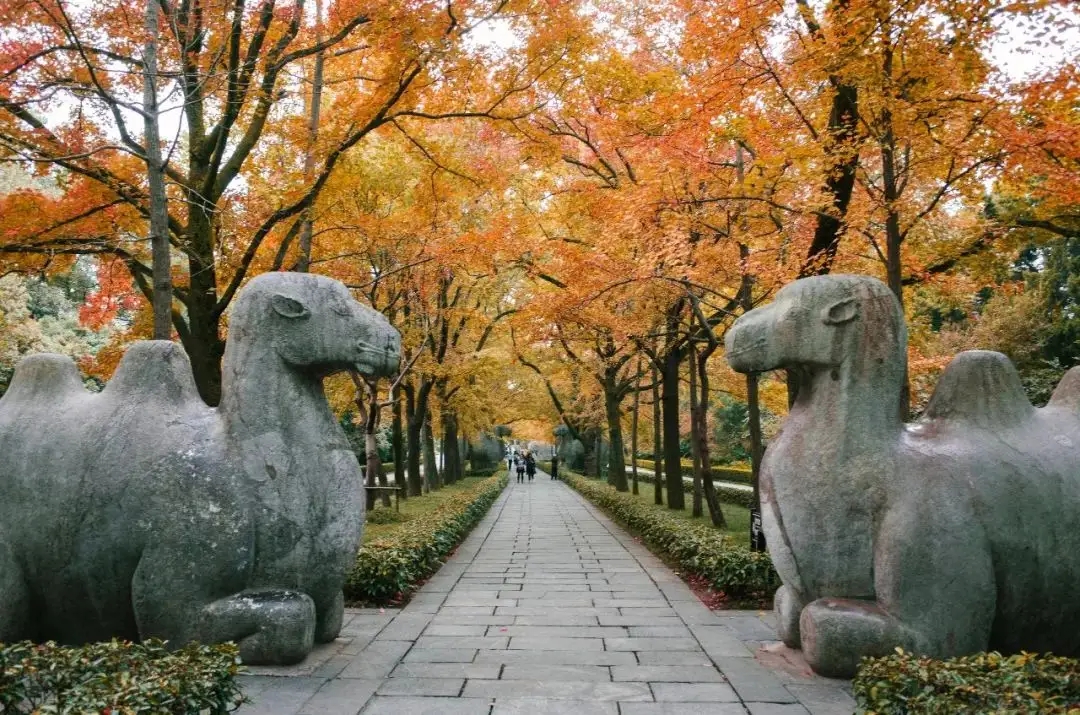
(840, 312)
(288, 307)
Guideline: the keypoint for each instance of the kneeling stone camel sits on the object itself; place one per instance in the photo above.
(954, 534)
(140, 512)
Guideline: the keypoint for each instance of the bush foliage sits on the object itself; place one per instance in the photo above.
(904, 684)
(389, 568)
(743, 575)
(119, 677)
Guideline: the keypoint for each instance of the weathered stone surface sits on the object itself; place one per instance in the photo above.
(140, 512)
(954, 534)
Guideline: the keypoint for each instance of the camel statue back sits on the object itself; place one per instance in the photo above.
(141, 512)
(948, 535)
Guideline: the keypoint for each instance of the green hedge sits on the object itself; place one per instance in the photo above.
(719, 473)
(389, 568)
(903, 684)
(119, 677)
(728, 495)
(743, 575)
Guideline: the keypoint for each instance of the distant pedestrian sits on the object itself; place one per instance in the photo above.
(554, 466)
(520, 464)
(530, 465)
(509, 461)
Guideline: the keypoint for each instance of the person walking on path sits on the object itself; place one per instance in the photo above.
(530, 465)
(554, 466)
(520, 463)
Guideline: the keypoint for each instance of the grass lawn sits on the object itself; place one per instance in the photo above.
(415, 506)
(738, 518)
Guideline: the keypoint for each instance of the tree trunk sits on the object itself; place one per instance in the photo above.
(657, 442)
(699, 428)
(373, 467)
(397, 445)
(413, 423)
(634, 431)
(161, 261)
(756, 451)
(451, 448)
(204, 345)
(598, 451)
(431, 466)
(893, 237)
(670, 399)
(694, 450)
(612, 408)
(307, 223)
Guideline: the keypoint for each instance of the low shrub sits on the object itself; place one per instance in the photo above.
(119, 677)
(389, 568)
(385, 515)
(483, 472)
(743, 575)
(904, 684)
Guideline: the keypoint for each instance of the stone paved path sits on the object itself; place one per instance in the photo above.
(549, 608)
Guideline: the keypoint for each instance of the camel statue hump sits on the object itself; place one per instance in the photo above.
(980, 388)
(157, 369)
(1067, 393)
(44, 377)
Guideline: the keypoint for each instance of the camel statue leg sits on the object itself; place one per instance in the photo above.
(175, 596)
(271, 626)
(935, 594)
(329, 618)
(788, 607)
(14, 598)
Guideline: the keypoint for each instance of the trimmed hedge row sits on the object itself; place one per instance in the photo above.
(719, 472)
(743, 575)
(389, 568)
(728, 495)
(904, 684)
(119, 677)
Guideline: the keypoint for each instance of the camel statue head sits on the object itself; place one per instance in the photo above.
(314, 325)
(822, 323)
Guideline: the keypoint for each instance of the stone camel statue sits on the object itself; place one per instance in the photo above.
(139, 512)
(954, 534)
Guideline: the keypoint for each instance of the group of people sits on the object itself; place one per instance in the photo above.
(524, 463)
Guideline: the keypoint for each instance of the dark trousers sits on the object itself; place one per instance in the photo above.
(521, 475)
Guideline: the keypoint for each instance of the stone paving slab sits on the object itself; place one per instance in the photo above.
(548, 608)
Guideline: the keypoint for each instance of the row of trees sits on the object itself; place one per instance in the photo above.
(561, 206)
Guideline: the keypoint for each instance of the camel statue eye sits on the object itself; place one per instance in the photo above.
(339, 307)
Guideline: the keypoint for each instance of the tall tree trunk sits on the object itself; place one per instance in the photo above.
(161, 265)
(695, 453)
(842, 162)
(670, 399)
(203, 342)
(431, 465)
(613, 410)
(451, 447)
(657, 441)
(307, 223)
(890, 187)
(756, 452)
(753, 410)
(598, 450)
(398, 446)
(634, 431)
(414, 423)
(700, 434)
